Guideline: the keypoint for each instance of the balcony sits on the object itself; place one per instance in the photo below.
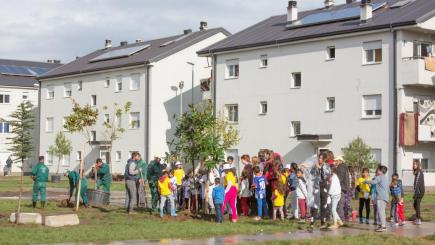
(412, 72)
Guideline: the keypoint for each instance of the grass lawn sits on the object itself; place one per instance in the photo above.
(102, 225)
(359, 240)
(12, 184)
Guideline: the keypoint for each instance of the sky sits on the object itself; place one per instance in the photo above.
(63, 29)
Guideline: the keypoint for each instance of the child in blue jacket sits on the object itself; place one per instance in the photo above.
(218, 196)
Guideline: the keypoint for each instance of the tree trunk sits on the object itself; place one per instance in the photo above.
(207, 185)
(194, 186)
(17, 214)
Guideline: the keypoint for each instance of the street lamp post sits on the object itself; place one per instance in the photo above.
(193, 78)
(181, 86)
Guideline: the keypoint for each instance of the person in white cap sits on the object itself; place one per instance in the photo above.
(179, 175)
(230, 183)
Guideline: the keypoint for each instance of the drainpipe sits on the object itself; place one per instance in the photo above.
(213, 85)
(147, 112)
(395, 107)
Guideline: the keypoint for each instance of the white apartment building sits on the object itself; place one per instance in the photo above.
(145, 73)
(314, 80)
(17, 84)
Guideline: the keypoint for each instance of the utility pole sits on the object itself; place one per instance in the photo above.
(193, 79)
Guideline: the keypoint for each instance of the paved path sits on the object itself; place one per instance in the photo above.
(408, 230)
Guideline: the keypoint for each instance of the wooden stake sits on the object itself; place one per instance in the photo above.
(80, 179)
(17, 214)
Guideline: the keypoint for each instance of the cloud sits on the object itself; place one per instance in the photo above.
(63, 29)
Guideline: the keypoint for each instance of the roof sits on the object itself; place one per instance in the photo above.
(20, 80)
(155, 52)
(274, 29)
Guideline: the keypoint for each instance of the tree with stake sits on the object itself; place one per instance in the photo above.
(359, 155)
(81, 120)
(200, 135)
(113, 128)
(62, 147)
(22, 123)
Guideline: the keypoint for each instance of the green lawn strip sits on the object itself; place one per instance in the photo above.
(102, 225)
(365, 239)
(12, 184)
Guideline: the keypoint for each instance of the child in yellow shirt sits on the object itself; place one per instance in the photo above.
(278, 200)
(165, 191)
(179, 175)
(363, 187)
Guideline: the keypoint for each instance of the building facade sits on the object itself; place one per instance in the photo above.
(301, 83)
(145, 73)
(18, 84)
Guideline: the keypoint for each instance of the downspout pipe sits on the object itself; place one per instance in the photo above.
(395, 103)
(147, 111)
(214, 82)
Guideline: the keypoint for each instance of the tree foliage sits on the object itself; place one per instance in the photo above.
(81, 120)
(113, 128)
(359, 155)
(199, 135)
(22, 123)
(62, 147)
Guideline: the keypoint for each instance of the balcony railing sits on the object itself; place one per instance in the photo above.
(412, 71)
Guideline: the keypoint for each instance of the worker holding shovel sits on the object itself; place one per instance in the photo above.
(73, 178)
(143, 171)
(104, 178)
(40, 178)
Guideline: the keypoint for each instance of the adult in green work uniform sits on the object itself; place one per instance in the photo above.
(104, 178)
(40, 178)
(73, 178)
(143, 168)
(154, 173)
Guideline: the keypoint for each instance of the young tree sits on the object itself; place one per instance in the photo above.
(22, 124)
(81, 121)
(359, 155)
(62, 147)
(199, 135)
(113, 128)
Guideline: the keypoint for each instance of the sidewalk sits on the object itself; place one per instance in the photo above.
(408, 230)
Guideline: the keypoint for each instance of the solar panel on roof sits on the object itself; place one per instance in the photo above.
(401, 3)
(22, 70)
(119, 53)
(175, 40)
(332, 16)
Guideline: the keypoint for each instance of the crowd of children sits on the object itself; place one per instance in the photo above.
(308, 192)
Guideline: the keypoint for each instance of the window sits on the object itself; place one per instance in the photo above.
(78, 156)
(4, 128)
(330, 104)
(93, 100)
(118, 121)
(49, 124)
(65, 160)
(93, 135)
(63, 124)
(118, 87)
(134, 120)
(296, 80)
(372, 52)
(79, 85)
(422, 49)
(106, 118)
(263, 108)
(118, 156)
(264, 62)
(330, 53)
(377, 155)
(295, 128)
(50, 92)
(67, 90)
(25, 96)
(107, 82)
(232, 113)
(5, 98)
(232, 69)
(372, 106)
(48, 158)
(424, 163)
(135, 82)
